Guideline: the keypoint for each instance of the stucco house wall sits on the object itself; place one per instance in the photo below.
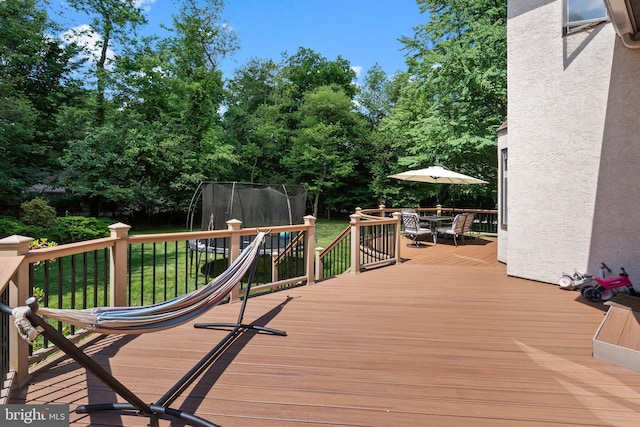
(573, 146)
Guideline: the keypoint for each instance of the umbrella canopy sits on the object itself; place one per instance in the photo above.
(437, 175)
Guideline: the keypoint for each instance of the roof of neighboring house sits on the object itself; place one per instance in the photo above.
(46, 188)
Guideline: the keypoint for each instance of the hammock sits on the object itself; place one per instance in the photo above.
(137, 320)
(164, 315)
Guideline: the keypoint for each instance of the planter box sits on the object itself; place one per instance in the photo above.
(617, 340)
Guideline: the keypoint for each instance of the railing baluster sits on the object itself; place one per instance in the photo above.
(142, 264)
(68, 283)
(187, 267)
(105, 276)
(165, 269)
(175, 287)
(73, 291)
(85, 280)
(60, 286)
(153, 274)
(95, 279)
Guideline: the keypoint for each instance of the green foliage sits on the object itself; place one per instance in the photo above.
(112, 21)
(375, 96)
(137, 131)
(324, 149)
(450, 109)
(10, 226)
(61, 230)
(42, 243)
(33, 72)
(76, 228)
(300, 114)
(37, 212)
(162, 133)
(256, 122)
(307, 70)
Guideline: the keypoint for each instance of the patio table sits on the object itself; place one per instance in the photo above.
(435, 220)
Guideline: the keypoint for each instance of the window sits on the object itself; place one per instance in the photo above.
(503, 188)
(584, 14)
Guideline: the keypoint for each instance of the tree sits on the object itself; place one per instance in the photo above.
(255, 122)
(375, 96)
(265, 109)
(323, 152)
(33, 70)
(457, 95)
(163, 135)
(112, 21)
(301, 114)
(307, 70)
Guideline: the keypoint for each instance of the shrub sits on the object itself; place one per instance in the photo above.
(11, 226)
(77, 228)
(37, 212)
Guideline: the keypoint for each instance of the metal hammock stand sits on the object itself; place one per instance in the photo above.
(160, 408)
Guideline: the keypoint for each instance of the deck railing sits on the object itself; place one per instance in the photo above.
(485, 220)
(137, 270)
(369, 241)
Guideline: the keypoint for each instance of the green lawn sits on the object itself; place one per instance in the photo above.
(79, 280)
(328, 230)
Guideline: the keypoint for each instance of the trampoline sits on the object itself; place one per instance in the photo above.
(273, 243)
(256, 205)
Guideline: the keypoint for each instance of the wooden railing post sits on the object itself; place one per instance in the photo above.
(381, 209)
(234, 225)
(275, 272)
(18, 293)
(118, 265)
(319, 265)
(309, 247)
(355, 243)
(397, 216)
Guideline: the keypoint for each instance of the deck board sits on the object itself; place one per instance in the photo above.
(444, 339)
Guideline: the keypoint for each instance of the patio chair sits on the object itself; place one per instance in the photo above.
(30, 322)
(413, 229)
(455, 229)
(468, 223)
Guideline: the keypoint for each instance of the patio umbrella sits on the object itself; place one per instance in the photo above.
(437, 175)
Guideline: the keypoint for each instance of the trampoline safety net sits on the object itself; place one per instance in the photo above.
(256, 205)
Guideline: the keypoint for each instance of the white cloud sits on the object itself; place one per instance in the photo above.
(91, 43)
(145, 5)
(357, 69)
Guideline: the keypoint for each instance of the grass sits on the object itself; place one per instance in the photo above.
(328, 230)
(80, 281)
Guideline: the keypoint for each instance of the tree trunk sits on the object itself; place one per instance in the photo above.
(316, 201)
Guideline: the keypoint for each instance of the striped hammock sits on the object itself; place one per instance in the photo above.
(164, 315)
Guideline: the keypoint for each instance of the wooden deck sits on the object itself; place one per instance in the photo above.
(444, 339)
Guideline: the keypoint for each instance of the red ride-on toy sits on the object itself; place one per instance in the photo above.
(604, 289)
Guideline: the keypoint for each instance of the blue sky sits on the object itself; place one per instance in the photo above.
(361, 31)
